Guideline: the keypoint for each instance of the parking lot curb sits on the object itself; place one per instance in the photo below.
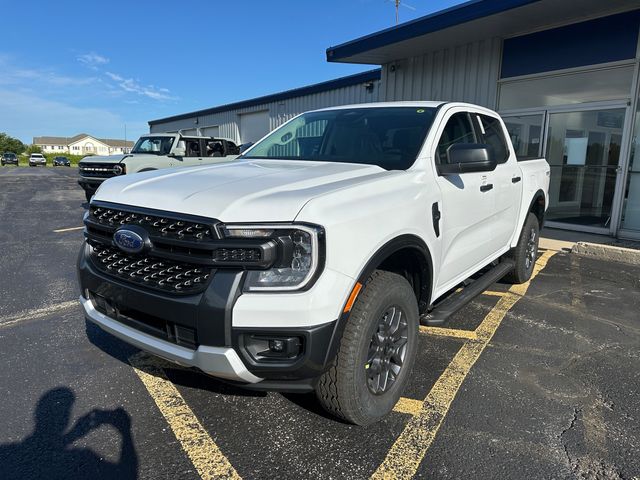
(607, 252)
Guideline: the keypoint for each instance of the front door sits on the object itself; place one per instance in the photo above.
(467, 206)
(193, 152)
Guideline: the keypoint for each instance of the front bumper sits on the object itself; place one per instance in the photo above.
(216, 345)
(218, 361)
(90, 184)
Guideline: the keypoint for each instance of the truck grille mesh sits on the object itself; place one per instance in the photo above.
(96, 170)
(160, 274)
(155, 225)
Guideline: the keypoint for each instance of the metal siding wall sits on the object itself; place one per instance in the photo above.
(467, 73)
(279, 112)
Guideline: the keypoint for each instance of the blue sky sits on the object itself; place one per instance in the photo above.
(75, 66)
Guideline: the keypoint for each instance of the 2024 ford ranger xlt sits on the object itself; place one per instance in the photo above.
(152, 152)
(309, 263)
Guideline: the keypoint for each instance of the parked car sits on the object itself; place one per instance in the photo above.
(309, 263)
(61, 162)
(153, 152)
(36, 159)
(9, 158)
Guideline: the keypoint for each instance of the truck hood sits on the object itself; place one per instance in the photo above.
(104, 158)
(242, 191)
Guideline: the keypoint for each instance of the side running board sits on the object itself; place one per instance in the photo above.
(454, 302)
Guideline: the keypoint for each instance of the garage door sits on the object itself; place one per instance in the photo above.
(210, 131)
(253, 126)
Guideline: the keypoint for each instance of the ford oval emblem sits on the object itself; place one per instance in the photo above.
(128, 241)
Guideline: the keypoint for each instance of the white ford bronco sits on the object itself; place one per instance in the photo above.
(309, 263)
(152, 152)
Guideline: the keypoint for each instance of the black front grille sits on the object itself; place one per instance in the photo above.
(156, 225)
(97, 170)
(152, 272)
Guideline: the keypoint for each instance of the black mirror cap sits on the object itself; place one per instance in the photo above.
(467, 158)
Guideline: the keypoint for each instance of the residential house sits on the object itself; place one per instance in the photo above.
(82, 144)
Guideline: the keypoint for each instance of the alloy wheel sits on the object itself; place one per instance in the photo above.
(387, 351)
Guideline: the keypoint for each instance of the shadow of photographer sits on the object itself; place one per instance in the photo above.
(49, 451)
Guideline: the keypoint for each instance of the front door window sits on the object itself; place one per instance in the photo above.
(583, 149)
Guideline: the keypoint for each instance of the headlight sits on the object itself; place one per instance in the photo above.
(298, 260)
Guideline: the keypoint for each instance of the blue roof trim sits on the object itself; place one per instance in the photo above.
(434, 22)
(341, 82)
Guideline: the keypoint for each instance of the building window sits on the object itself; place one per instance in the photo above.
(566, 89)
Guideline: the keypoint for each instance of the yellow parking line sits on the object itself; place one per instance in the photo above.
(408, 451)
(71, 229)
(203, 452)
(449, 332)
(493, 293)
(408, 405)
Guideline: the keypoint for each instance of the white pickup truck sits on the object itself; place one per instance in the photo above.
(152, 152)
(310, 262)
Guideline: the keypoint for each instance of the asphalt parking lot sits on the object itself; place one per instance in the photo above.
(533, 381)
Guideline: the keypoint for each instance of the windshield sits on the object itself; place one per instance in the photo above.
(153, 145)
(389, 137)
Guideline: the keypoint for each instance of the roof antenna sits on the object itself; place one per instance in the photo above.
(398, 4)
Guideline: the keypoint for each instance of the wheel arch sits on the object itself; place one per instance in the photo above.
(538, 207)
(407, 255)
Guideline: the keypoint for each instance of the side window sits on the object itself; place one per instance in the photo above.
(493, 136)
(192, 147)
(459, 129)
(214, 148)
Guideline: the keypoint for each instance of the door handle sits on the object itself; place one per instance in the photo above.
(486, 188)
(515, 179)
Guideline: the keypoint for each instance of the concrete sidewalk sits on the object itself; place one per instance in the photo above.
(591, 245)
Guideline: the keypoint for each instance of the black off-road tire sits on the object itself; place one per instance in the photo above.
(344, 389)
(525, 253)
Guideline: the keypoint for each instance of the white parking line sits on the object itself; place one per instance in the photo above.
(39, 312)
(70, 229)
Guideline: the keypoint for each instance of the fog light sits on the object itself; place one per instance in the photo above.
(276, 346)
(268, 348)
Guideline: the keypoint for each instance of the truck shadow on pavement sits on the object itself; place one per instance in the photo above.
(49, 452)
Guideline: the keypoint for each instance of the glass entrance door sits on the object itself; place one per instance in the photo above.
(583, 149)
(631, 199)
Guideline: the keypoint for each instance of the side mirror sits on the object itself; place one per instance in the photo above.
(178, 152)
(468, 157)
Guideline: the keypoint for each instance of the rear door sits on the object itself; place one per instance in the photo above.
(467, 205)
(507, 181)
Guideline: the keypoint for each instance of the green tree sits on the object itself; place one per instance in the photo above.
(10, 144)
(33, 149)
